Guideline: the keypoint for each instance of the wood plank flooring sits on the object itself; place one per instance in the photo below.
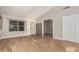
(35, 44)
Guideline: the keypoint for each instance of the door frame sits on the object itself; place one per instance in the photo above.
(43, 26)
(37, 29)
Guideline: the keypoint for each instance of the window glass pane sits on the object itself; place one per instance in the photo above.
(1, 22)
(12, 28)
(21, 28)
(12, 25)
(21, 23)
(12, 22)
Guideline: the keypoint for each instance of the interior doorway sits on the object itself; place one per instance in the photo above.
(39, 29)
(48, 28)
(1, 22)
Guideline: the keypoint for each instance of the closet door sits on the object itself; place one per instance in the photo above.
(70, 28)
(78, 29)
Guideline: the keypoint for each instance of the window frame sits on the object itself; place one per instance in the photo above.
(16, 25)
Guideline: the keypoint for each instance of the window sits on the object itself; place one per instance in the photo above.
(16, 25)
(1, 22)
(21, 25)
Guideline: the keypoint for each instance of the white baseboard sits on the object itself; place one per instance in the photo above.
(65, 39)
(58, 38)
(71, 41)
(13, 36)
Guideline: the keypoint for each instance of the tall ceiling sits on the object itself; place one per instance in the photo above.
(31, 12)
(34, 12)
(71, 10)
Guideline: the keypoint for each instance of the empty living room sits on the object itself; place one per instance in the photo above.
(39, 29)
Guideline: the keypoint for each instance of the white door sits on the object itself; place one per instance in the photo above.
(33, 28)
(70, 28)
(78, 29)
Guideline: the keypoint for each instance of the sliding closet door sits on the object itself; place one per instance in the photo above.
(78, 29)
(70, 28)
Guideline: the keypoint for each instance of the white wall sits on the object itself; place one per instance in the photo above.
(71, 10)
(55, 14)
(5, 30)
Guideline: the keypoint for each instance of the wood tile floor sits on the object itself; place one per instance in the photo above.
(35, 44)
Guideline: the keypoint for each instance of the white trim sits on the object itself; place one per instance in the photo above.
(42, 28)
(65, 39)
(58, 38)
(14, 36)
(71, 41)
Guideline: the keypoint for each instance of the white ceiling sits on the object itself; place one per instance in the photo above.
(31, 12)
(71, 10)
